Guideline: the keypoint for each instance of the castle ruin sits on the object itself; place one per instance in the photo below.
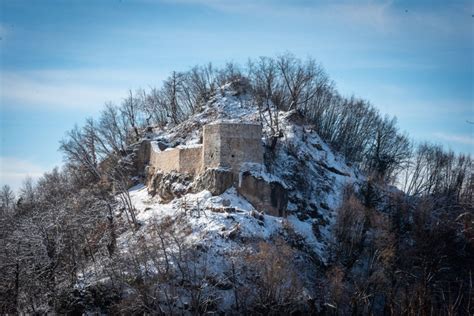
(217, 164)
(224, 145)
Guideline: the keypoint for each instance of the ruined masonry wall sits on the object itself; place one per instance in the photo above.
(230, 145)
(166, 161)
(185, 160)
(211, 149)
(190, 160)
(227, 145)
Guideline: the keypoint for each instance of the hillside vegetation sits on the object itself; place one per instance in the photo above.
(375, 223)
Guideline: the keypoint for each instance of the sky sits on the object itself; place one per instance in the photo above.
(60, 61)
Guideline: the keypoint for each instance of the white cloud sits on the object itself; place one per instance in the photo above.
(461, 139)
(385, 16)
(229, 5)
(13, 171)
(83, 88)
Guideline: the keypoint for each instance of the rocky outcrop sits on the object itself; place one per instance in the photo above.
(270, 197)
(215, 180)
(168, 185)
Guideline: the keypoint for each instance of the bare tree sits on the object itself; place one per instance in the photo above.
(390, 150)
(130, 110)
(172, 88)
(7, 200)
(432, 171)
(267, 93)
(112, 129)
(302, 81)
(80, 153)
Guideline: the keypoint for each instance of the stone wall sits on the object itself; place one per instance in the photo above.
(217, 163)
(167, 160)
(142, 156)
(229, 145)
(211, 149)
(225, 145)
(190, 160)
(183, 160)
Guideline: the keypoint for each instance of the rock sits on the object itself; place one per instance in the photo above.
(225, 202)
(218, 209)
(257, 215)
(324, 206)
(316, 230)
(202, 247)
(318, 146)
(333, 170)
(149, 173)
(296, 117)
(233, 233)
(230, 209)
(269, 197)
(162, 146)
(168, 185)
(214, 180)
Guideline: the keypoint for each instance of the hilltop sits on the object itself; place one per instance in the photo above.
(225, 228)
(259, 190)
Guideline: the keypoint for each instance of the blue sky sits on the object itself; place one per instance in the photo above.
(60, 61)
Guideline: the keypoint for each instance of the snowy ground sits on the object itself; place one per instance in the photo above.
(210, 220)
(227, 225)
(300, 152)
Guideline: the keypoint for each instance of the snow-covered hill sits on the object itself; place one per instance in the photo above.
(226, 228)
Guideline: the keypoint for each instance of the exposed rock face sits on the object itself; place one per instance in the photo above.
(214, 180)
(270, 197)
(168, 185)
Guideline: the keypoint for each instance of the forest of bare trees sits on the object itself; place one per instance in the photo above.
(394, 252)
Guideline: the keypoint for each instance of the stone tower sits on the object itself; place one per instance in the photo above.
(229, 145)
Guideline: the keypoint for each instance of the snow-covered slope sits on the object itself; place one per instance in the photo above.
(314, 176)
(227, 226)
